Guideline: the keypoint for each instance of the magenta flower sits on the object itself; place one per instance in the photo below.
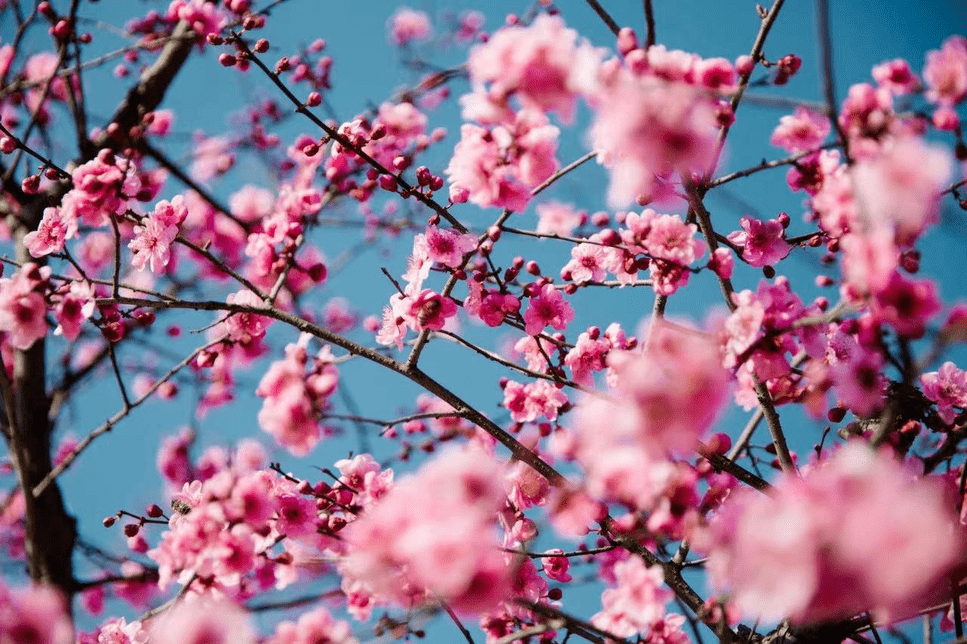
(549, 308)
(948, 388)
(763, 242)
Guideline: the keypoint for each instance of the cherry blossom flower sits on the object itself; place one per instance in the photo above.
(23, 307)
(542, 64)
(245, 328)
(54, 229)
(102, 187)
(547, 308)
(34, 615)
(804, 130)
(945, 72)
(948, 388)
(499, 166)
(587, 263)
(73, 307)
(447, 247)
(645, 127)
(408, 25)
(816, 529)
(556, 567)
(896, 76)
(152, 244)
(527, 403)
(907, 305)
(197, 622)
(763, 242)
(294, 398)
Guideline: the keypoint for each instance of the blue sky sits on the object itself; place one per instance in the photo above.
(119, 472)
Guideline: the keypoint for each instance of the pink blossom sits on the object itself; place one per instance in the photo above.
(587, 263)
(869, 259)
(294, 398)
(816, 529)
(313, 627)
(23, 307)
(495, 307)
(945, 72)
(432, 537)
(152, 243)
(499, 166)
(529, 402)
(536, 352)
(948, 388)
(204, 17)
(74, 306)
(661, 400)
(637, 600)
(804, 130)
(213, 154)
(161, 122)
(338, 316)
(34, 615)
(547, 308)
(245, 328)
(448, 247)
(587, 357)
(211, 622)
(860, 383)
(896, 76)
(763, 242)
(645, 127)
(102, 187)
(556, 567)
(251, 203)
(907, 305)
(902, 187)
(541, 64)
(54, 229)
(668, 240)
(722, 263)
(430, 310)
(408, 25)
(119, 631)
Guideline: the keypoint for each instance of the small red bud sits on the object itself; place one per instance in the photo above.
(31, 185)
(533, 268)
(836, 414)
(107, 522)
(314, 99)
(318, 272)
(154, 511)
(227, 60)
(261, 46)
(131, 530)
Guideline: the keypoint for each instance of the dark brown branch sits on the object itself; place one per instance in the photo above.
(649, 24)
(605, 16)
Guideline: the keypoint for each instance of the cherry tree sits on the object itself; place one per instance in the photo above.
(463, 434)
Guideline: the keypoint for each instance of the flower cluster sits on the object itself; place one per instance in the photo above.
(817, 530)
(296, 392)
(433, 536)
